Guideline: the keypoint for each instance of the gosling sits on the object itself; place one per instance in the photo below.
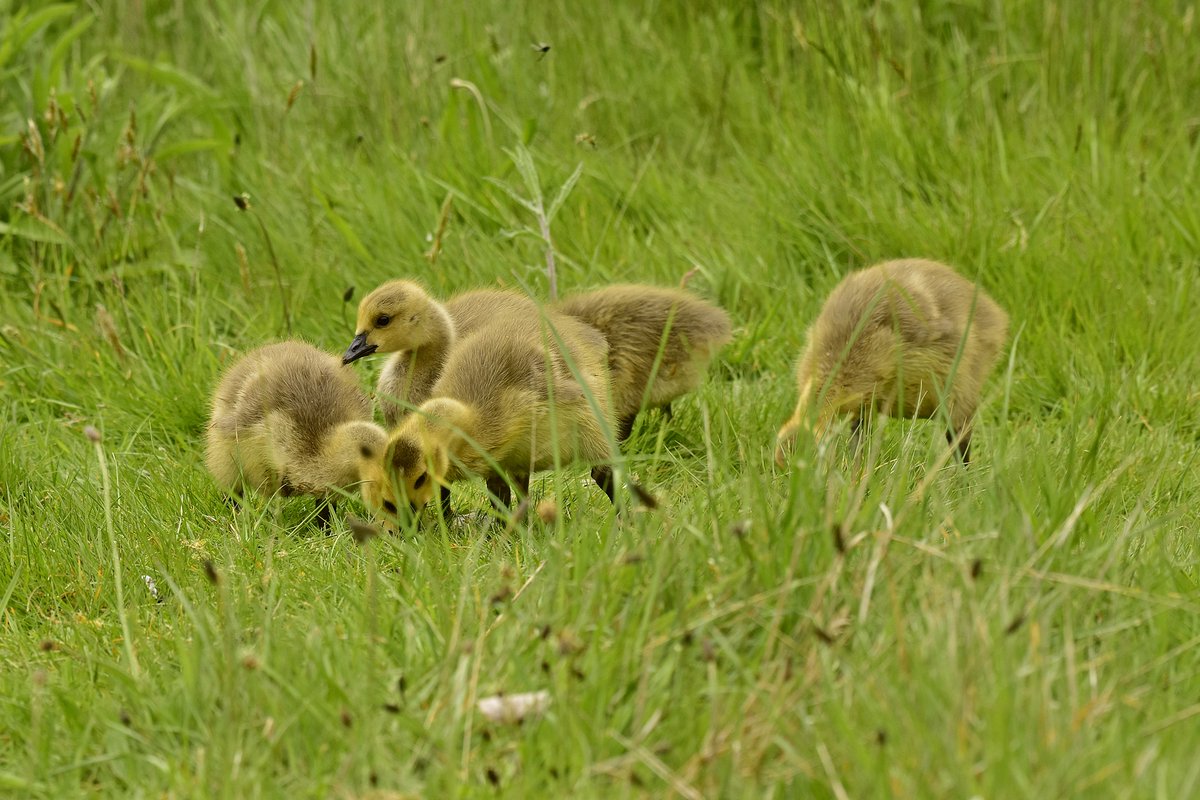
(515, 397)
(901, 338)
(400, 317)
(289, 418)
(660, 342)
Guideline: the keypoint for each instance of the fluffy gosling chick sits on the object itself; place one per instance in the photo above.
(660, 342)
(289, 418)
(400, 317)
(898, 338)
(507, 401)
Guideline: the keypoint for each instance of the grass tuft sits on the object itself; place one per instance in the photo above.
(872, 623)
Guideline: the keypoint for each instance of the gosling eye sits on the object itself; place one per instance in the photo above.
(419, 482)
(389, 506)
(382, 321)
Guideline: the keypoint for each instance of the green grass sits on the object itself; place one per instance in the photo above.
(1024, 628)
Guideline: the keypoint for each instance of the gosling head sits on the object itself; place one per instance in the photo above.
(814, 422)
(350, 449)
(399, 315)
(812, 414)
(401, 478)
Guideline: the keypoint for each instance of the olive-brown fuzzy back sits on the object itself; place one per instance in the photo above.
(899, 337)
(666, 334)
(273, 414)
(478, 307)
(534, 385)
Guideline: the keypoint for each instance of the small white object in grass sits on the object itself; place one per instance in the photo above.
(511, 708)
(151, 586)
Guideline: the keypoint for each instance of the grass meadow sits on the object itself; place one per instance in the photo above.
(895, 626)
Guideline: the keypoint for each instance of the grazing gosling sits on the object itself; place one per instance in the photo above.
(507, 402)
(660, 342)
(400, 317)
(899, 338)
(289, 418)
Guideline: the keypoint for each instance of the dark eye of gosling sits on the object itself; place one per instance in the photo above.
(382, 321)
(419, 482)
(389, 506)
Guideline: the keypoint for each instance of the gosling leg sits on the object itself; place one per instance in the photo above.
(964, 444)
(603, 476)
(856, 435)
(625, 427)
(444, 496)
(500, 491)
(325, 508)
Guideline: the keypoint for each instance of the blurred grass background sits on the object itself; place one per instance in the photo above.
(1025, 628)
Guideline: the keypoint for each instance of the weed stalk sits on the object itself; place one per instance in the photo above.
(93, 435)
(243, 203)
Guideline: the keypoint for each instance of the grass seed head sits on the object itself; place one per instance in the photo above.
(362, 532)
(644, 497)
(293, 94)
(108, 329)
(547, 511)
(520, 512)
(839, 537)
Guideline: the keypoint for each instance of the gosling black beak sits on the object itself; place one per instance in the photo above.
(358, 348)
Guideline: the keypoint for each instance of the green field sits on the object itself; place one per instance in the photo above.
(896, 627)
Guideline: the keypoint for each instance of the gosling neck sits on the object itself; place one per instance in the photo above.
(440, 334)
(427, 358)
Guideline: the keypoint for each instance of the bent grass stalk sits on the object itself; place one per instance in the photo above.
(242, 201)
(94, 437)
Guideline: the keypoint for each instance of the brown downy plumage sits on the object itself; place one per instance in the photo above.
(511, 400)
(898, 338)
(660, 342)
(289, 418)
(400, 317)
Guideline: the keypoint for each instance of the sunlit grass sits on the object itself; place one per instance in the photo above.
(890, 626)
